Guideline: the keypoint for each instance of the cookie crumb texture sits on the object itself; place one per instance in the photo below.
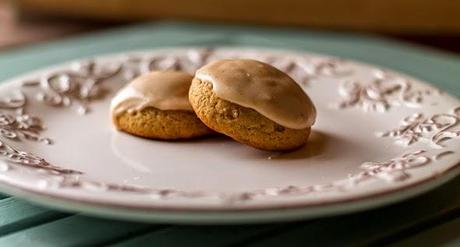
(243, 124)
(166, 125)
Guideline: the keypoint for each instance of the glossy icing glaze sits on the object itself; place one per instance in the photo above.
(261, 87)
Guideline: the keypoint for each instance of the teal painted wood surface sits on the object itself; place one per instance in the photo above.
(446, 235)
(75, 231)
(24, 224)
(201, 236)
(17, 214)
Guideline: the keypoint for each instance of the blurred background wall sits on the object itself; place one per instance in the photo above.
(434, 16)
(425, 21)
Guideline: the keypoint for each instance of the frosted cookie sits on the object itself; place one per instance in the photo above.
(253, 103)
(155, 105)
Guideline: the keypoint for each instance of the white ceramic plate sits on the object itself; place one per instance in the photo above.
(380, 137)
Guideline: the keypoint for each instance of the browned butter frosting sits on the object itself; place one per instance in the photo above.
(164, 90)
(261, 87)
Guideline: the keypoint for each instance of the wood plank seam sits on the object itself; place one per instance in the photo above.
(139, 233)
(31, 222)
(272, 233)
(418, 228)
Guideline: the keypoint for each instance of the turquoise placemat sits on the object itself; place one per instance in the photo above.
(24, 224)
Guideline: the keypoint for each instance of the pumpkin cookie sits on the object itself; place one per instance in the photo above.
(253, 103)
(155, 105)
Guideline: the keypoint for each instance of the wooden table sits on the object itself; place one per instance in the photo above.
(428, 220)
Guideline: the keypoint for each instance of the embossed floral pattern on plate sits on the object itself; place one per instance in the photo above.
(428, 134)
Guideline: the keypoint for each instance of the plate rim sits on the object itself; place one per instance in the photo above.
(451, 171)
(281, 214)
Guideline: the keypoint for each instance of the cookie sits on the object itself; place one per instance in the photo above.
(155, 105)
(253, 103)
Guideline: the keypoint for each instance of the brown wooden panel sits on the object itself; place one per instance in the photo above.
(389, 15)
